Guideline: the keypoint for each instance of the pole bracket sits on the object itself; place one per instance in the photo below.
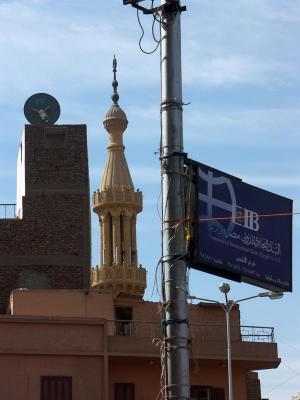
(168, 7)
(174, 154)
(167, 322)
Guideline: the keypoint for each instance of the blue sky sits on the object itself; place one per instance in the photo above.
(241, 66)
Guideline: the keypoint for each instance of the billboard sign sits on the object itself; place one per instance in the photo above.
(242, 232)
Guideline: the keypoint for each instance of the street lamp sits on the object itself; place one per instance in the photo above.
(227, 307)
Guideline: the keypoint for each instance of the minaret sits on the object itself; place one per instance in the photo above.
(117, 205)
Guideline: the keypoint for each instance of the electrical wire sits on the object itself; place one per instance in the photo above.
(155, 284)
(158, 19)
(290, 368)
(143, 33)
(281, 384)
(157, 205)
(160, 343)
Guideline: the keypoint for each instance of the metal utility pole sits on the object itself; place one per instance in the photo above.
(174, 279)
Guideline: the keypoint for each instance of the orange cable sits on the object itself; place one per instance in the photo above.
(247, 217)
(178, 223)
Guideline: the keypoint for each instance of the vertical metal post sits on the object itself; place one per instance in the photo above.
(228, 308)
(173, 258)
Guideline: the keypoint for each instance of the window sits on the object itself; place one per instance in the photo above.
(56, 388)
(207, 393)
(200, 393)
(124, 325)
(217, 394)
(124, 391)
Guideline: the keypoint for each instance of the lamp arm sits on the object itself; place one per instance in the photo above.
(202, 299)
(247, 298)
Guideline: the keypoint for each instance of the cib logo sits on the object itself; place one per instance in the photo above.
(246, 218)
(238, 215)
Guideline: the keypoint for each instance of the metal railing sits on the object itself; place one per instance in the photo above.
(135, 328)
(7, 210)
(263, 334)
(255, 334)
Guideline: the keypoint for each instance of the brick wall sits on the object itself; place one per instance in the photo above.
(49, 246)
(253, 386)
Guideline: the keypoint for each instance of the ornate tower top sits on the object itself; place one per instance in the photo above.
(116, 173)
(115, 118)
(115, 97)
(117, 205)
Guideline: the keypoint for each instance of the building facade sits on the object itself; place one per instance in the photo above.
(75, 342)
(63, 338)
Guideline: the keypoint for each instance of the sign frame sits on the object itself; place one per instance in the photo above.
(282, 280)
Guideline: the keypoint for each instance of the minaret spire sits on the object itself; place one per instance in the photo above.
(117, 205)
(115, 96)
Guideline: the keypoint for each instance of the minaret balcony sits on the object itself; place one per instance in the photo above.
(117, 197)
(126, 279)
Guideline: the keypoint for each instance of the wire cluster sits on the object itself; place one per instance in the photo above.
(157, 19)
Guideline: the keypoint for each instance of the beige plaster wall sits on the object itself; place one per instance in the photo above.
(145, 374)
(20, 376)
(216, 375)
(62, 303)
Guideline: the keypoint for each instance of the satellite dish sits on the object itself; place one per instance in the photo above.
(42, 109)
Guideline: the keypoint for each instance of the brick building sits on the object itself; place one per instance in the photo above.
(48, 244)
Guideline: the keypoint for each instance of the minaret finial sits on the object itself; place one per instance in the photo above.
(115, 95)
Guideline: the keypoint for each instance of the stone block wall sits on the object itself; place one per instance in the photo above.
(48, 245)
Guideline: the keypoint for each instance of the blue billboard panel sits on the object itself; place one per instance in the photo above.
(242, 232)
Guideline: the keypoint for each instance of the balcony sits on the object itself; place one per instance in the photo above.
(256, 334)
(117, 197)
(7, 210)
(253, 346)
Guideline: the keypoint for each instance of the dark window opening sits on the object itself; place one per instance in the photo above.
(56, 388)
(124, 325)
(200, 393)
(122, 238)
(109, 223)
(124, 391)
(207, 393)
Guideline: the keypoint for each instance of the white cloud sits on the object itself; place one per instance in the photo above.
(241, 43)
(250, 127)
(232, 69)
(59, 50)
